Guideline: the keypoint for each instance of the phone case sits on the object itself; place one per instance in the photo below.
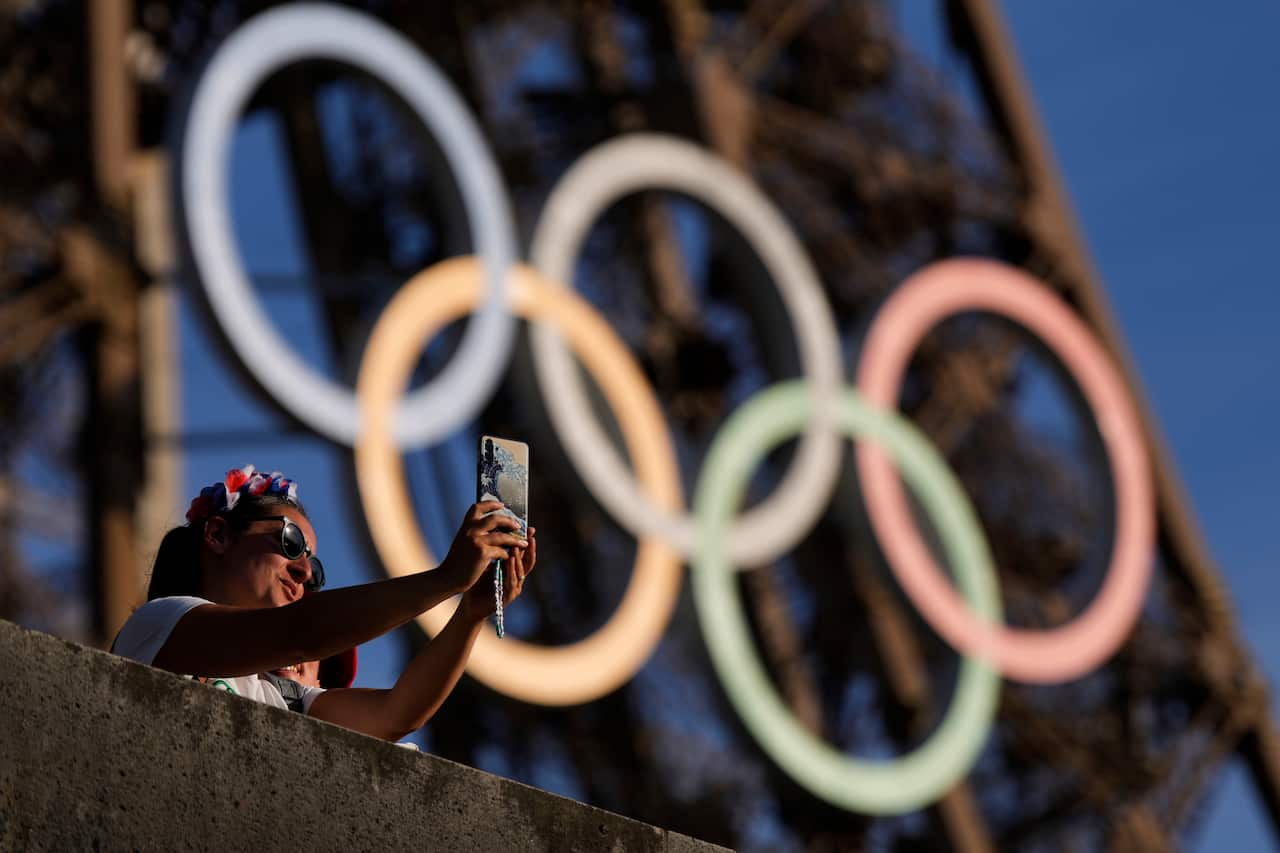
(503, 474)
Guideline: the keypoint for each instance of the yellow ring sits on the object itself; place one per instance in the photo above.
(607, 659)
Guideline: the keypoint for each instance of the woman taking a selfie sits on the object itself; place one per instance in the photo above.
(234, 595)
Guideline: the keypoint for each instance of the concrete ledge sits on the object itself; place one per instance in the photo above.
(97, 752)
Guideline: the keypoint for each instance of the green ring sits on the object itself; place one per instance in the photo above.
(903, 784)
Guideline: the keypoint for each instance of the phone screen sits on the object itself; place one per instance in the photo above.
(502, 473)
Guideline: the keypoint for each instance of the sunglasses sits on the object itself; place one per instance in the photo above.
(293, 544)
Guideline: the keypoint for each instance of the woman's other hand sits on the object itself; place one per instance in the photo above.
(478, 600)
(485, 535)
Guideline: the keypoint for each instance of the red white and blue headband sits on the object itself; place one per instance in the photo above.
(223, 496)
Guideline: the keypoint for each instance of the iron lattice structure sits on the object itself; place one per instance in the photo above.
(881, 166)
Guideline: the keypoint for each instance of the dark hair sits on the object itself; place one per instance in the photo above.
(176, 570)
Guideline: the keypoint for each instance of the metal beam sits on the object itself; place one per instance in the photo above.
(114, 103)
(113, 445)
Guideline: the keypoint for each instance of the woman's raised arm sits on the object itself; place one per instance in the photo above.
(434, 671)
(220, 640)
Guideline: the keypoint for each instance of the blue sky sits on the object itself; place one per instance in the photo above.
(1166, 132)
(1164, 122)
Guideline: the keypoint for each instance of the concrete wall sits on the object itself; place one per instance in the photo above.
(97, 752)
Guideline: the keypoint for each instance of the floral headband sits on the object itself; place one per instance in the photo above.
(223, 496)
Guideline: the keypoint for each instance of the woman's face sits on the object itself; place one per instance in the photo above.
(252, 569)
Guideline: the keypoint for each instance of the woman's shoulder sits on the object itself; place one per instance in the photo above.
(147, 628)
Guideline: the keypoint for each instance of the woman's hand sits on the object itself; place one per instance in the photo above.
(477, 602)
(480, 540)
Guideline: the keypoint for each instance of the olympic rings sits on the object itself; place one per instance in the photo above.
(892, 787)
(650, 161)
(270, 41)
(1042, 657)
(604, 661)
(650, 504)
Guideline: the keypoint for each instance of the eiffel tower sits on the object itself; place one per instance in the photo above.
(880, 166)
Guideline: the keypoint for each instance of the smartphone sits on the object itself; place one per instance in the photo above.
(502, 473)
